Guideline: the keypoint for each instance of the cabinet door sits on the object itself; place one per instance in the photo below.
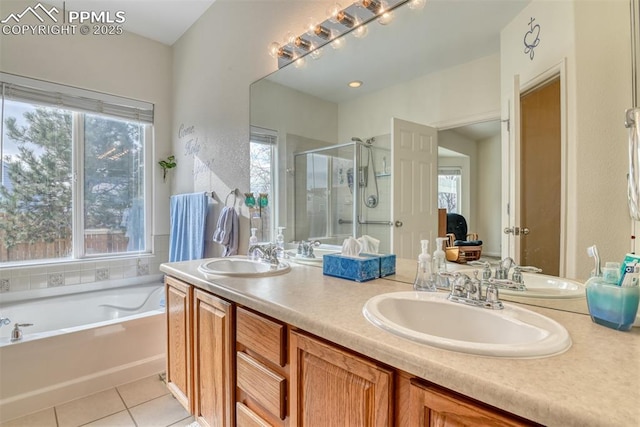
(333, 387)
(178, 309)
(431, 406)
(213, 360)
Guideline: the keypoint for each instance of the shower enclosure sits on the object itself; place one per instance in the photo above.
(343, 190)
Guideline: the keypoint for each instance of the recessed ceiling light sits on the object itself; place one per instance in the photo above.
(355, 83)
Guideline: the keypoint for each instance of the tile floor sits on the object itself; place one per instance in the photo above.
(143, 403)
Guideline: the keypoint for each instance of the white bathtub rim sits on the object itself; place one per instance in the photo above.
(34, 294)
(27, 337)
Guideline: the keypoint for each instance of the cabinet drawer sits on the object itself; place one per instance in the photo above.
(262, 384)
(261, 335)
(245, 417)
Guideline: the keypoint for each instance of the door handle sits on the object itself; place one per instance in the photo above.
(525, 231)
(399, 224)
(512, 230)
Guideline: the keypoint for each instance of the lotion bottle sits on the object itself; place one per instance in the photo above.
(253, 240)
(424, 278)
(440, 264)
(280, 243)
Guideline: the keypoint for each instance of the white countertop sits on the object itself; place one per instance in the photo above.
(596, 382)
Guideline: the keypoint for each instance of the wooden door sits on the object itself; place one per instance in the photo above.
(415, 186)
(540, 177)
(213, 360)
(431, 406)
(178, 308)
(331, 387)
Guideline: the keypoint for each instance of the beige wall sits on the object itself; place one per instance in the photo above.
(214, 63)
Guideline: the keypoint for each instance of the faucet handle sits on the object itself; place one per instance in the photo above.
(16, 333)
(4, 321)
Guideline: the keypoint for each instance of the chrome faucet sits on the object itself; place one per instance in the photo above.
(502, 270)
(305, 248)
(268, 253)
(501, 276)
(16, 333)
(466, 290)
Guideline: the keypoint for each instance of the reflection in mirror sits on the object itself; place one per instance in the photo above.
(448, 66)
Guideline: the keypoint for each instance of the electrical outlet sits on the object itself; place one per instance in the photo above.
(5, 285)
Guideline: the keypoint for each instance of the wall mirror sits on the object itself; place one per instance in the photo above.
(447, 73)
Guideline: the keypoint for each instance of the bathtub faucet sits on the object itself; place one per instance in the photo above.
(4, 321)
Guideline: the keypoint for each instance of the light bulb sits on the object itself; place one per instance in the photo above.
(386, 17)
(338, 43)
(289, 38)
(360, 32)
(333, 11)
(322, 32)
(317, 53)
(417, 4)
(273, 49)
(310, 26)
(299, 63)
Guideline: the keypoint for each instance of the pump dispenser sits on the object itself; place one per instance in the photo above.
(440, 264)
(280, 243)
(424, 278)
(253, 240)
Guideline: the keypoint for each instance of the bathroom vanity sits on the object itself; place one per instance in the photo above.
(295, 348)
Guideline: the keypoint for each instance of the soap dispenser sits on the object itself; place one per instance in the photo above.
(253, 240)
(440, 264)
(280, 243)
(424, 278)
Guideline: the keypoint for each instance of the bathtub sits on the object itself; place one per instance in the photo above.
(80, 343)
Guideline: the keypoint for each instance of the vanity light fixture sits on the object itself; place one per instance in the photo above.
(373, 5)
(345, 19)
(340, 21)
(322, 32)
(303, 44)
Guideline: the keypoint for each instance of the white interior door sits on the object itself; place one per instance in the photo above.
(414, 189)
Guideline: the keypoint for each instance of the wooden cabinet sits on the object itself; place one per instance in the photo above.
(178, 297)
(433, 406)
(229, 365)
(213, 356)
(200, 354)
(262, 370)
(331, 386)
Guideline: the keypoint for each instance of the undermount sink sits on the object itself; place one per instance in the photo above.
(543, 286)
(241, 267)
(430, 318)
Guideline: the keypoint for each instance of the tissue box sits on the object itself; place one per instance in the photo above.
(363, 268)
(387, 265)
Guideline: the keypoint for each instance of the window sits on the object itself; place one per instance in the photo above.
(74, 181)
(450, 189)
(262, 183)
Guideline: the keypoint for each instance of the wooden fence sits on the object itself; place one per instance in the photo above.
(101, 241)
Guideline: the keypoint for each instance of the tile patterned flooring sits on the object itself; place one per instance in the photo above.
(143, 403)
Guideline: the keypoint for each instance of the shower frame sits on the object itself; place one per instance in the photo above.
(355, 214)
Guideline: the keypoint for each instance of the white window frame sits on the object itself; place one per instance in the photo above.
(89, 99)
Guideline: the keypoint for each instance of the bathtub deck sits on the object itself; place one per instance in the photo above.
(145, 403)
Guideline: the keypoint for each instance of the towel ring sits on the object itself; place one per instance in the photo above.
(235, 197)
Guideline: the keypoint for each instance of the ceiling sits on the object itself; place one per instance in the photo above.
(162, 20)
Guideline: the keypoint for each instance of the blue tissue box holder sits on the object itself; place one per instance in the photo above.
(366, 267)
(387, 265)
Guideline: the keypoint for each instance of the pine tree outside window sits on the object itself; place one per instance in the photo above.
(74, 181)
